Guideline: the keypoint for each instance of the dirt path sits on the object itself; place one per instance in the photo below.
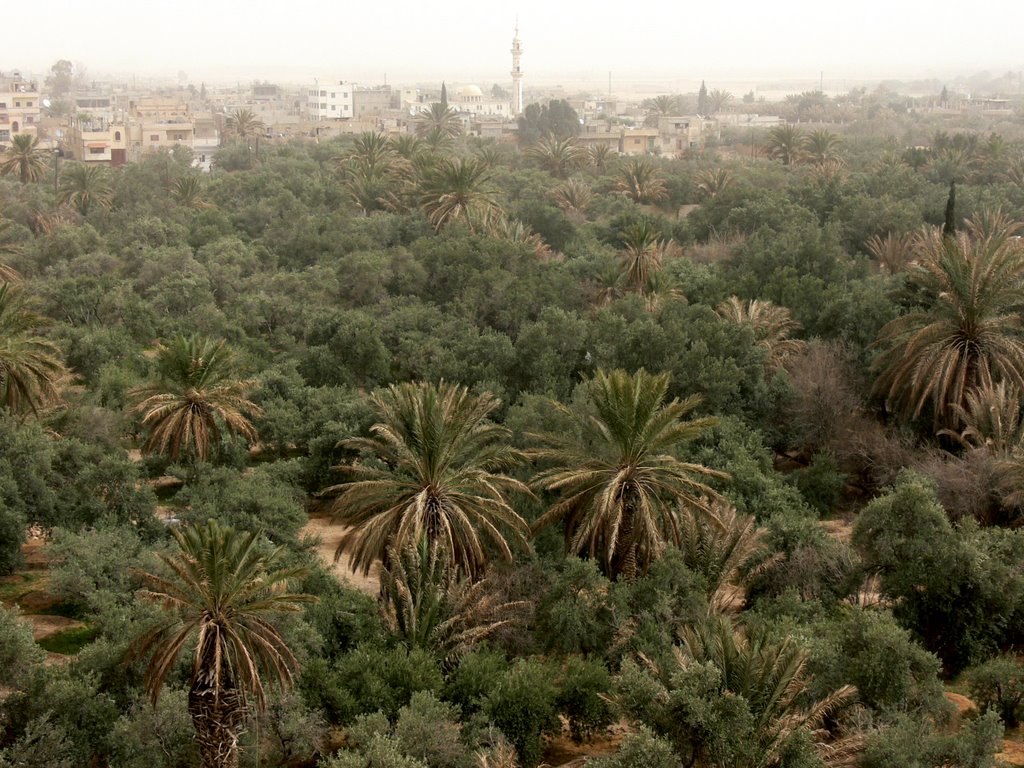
(329, 534)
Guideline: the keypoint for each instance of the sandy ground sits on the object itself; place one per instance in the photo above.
(329, 534)
(563, 752)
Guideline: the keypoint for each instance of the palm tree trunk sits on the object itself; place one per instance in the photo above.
(628, 565)
(218, 722)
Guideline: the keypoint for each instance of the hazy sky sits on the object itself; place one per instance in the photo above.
(468, 40)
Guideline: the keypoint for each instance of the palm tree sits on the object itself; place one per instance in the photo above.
(785, 143)
(458, 189)
(29, 364)
(26, 158)
(573, 197)
(644, 251)
(220, 590)
(659, 289)
(600, 156)
(406, 145)
(437, 473)
(188, 193)
(822, 146)
(718, 100)
(723, 547)
(434, 607)
(641, 182)
(711, 182)
(770, 676)
(772, 325)
(560, 157)
(370, 171)
(892, 252)
(194, 396)
(84, 187)
(438, 123)
(991, 420)
(8, 274)
(243, 124)
(969, 336)
(660, 106)
(619, 486)
(515, 231)
(1014, 171)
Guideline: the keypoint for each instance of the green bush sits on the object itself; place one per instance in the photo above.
(640, 750)
(523, 706)
(821, 483)
(475, 677)
(429, 730)
(998, 686)
(583, 697)
(913, 743)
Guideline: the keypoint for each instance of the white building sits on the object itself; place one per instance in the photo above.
(330, 100)
(472, 100)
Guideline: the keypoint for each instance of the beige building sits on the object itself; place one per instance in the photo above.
(373, 101)
(101, 140)
(20, 108)
(684, 132)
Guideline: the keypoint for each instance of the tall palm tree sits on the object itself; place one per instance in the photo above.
(85, 187)
(406, 145)
(785, 143)
(991, 420)
(640, 181)
(772, 325)
(458, 189)
(196, 394)
(718, 100)
(970, 334)
(661, 106)
(30, 367)
(619, 487)
(643, 253)
(26, 158)
(220, 591)
(436, 471)
(821, 146)
(558, 156)
(243, 124)
(438, 121)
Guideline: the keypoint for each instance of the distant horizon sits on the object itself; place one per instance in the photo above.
(568, 43)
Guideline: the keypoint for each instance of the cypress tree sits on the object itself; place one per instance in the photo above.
(949, 226)
(702, 99)
(444, 96)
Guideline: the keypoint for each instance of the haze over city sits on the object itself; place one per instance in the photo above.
(568, 42)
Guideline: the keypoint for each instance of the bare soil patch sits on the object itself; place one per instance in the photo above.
(329, 534)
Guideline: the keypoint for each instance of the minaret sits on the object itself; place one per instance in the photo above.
(517, 74)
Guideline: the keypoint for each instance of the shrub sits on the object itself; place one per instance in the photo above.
(640, 749)
(475, 677)
(916, 744)
(522, 705)
(998, 686)
(429, 730)
(582, 697)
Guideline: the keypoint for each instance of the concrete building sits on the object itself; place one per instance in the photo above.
(677, 134)
(372, 101)
(330, 100)
(20, 107)
(99, 139)
(472, 100)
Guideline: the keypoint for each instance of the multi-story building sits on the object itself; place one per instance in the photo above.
(684, 132)
(20, 107)
(330, 100)
(99, 139)
(373, 101)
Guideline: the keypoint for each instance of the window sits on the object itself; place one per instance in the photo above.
(17, 103)
(154, 137)
(96, 150)
(14, 127)
(323, 93)
(117, 135)
(334, 95)
(29, 119)
(28, 103)
(5, 135)
(333, 108)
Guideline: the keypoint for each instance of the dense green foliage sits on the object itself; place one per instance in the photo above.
(668, 370)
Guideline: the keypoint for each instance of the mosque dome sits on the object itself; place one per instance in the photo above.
(472, 91)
